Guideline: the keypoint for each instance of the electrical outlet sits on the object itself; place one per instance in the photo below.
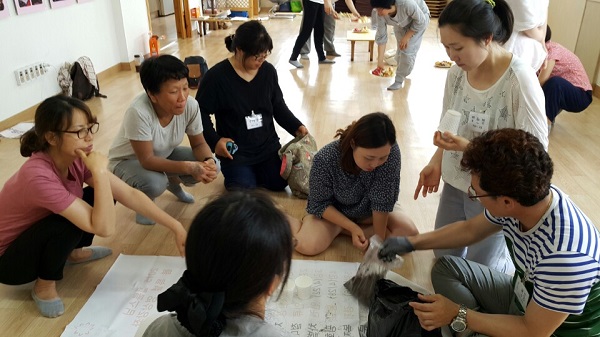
(28, 73)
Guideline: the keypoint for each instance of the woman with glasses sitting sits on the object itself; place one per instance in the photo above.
(491, 89)
(243, 94)
(47, 218)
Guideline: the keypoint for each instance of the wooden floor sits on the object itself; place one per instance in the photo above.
(325, 98)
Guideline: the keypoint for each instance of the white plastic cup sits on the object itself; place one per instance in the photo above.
(287, 294)
(304, 286)
(450, 122)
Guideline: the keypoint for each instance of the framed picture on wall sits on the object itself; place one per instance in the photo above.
(4, 9)
(30, 6)
(61, 3)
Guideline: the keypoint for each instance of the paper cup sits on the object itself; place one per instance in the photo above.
(304, 287)
(287, 294)
(450, 122)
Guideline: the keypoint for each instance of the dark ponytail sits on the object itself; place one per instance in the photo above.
(251, 38)
(479, 19)
(53, 114)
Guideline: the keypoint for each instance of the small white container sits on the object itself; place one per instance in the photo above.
(304, 286)
(450, 122)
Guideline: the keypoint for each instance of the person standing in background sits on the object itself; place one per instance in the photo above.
(529, 30)
(410, 19)
(329, 32)
(312, 20)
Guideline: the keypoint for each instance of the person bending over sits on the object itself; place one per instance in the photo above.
(555, 290)
(354, 185)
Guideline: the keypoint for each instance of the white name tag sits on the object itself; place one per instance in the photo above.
(521, 293)
(254, 121)
(478, 122)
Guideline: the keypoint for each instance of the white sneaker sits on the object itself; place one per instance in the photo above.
(304, 56)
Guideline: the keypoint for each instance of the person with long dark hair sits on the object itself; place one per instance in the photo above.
(354, 186)
(47, 218)
(238, 252)
(243, 94)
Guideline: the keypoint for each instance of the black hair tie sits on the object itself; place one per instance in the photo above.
(197, 312)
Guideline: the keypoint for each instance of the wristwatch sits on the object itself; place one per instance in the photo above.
(459, 323)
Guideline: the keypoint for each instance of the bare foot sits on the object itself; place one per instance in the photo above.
(45, 289)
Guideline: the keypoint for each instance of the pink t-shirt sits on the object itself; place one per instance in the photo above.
(35, 192)
(568, 66)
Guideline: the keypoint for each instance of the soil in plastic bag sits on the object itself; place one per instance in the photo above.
(391, 316)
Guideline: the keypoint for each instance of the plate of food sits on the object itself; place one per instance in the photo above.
(361, 30)
(443, 64)
(381, 72)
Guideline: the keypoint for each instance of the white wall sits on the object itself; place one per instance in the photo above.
(108, 31)
(567, 15)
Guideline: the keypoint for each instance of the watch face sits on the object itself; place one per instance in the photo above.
(458, 325)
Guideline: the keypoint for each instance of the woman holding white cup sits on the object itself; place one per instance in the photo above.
(490, 88)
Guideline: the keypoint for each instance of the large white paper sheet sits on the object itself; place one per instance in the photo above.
(17, 130)
(127, 296)
(126, 299)
(331, 311)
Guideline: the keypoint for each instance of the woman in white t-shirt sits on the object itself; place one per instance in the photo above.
(529, 31)
(492, 89)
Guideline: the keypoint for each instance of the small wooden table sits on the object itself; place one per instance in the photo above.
(369, 37)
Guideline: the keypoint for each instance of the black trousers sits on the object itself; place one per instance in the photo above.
(312, 17)
(42, 250)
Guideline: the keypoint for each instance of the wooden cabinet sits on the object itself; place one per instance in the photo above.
(436, 7)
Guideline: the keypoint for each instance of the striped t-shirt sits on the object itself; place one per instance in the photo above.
(560, 261)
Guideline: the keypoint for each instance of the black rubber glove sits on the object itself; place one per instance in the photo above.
(391, 247)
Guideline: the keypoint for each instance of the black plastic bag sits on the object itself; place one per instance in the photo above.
(391, 316)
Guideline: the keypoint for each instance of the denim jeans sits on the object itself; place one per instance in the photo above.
(263, 175)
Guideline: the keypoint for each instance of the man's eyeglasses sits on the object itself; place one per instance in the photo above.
(82, 133)
(473, 195)
(261, 57)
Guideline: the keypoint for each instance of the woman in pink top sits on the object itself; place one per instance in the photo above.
(564, 81)
(47, 217)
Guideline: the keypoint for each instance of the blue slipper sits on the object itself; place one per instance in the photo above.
(97, 253)
(49, 308)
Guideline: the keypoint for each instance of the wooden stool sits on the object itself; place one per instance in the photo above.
(369, 37)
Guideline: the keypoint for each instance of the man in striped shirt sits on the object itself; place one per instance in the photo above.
(554, 246)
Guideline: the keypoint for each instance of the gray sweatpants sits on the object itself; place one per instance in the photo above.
(478, 287)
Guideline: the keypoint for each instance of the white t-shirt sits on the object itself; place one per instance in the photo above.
(515, 101)
(528, 14)
(141, 123)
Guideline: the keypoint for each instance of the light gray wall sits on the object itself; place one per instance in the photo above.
(108, 31)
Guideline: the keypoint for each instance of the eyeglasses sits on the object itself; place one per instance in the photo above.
(261, 57)
(82, 133)
(473, 195)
